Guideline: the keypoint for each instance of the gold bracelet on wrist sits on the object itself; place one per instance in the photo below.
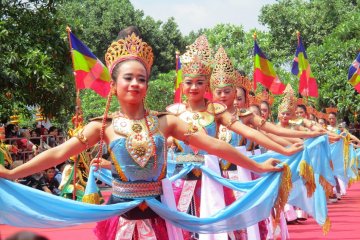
(192, 129)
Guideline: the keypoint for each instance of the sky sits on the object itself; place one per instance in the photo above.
(191, 15)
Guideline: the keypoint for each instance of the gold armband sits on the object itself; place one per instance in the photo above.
(231, 122)
(79, 135)
(192, 129)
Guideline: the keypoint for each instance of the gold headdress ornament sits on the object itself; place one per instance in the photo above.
(301, 101)
(223, 73)
(243, 82)
(322, 115)
(288, 102)
(131, 47)
(197, 60)
(255, 100)
(331, 110)
(266, 97)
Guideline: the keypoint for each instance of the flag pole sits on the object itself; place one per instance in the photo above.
(307, 79)
(77, 110)
(255, 83)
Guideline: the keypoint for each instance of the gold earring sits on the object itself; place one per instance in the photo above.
(113, 91)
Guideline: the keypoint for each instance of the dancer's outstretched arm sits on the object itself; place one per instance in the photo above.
(173, 126)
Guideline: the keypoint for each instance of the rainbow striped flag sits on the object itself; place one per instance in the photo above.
(354, 74)
(264, 72)
(177, 85)
(301, 68)
(89, 71)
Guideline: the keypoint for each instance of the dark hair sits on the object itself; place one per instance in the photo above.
(52, 128)
(128, 31)
(303, 107)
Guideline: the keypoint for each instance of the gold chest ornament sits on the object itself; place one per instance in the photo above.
(139, 141)
(199, 119)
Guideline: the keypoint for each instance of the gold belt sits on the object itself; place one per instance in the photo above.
(189, 158)
(136, 189)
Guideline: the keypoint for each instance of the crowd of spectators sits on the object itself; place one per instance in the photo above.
(27, 143)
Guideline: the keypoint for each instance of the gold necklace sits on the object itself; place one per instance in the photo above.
(140, 142)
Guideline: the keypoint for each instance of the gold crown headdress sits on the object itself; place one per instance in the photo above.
(223, 73)
(197, 60)
(288, 102)
(131, 47)
(331, 110)
(266, 97)
(243, 82)
(255, 100)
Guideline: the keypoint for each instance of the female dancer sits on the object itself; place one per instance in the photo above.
(136, 138)
(206, 115)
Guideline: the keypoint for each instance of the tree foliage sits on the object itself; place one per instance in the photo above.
(97, 23)
(35, 67)
(330, 32)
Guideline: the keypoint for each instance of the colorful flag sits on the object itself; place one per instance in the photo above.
(89, 71)
(178, 87)
(301, 67)
(264, 72)
(354, 74)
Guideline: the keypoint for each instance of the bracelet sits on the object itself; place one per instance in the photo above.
(231, 122)
(192, 129)
(79, 135)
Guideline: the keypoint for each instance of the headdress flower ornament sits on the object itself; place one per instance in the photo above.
(288, 102)
(331, 110)
(197, 60)
(223, 73)
(131, 47)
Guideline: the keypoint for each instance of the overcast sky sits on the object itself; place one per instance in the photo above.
(195, 14)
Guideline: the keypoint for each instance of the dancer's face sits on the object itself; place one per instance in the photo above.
(240, 100)
(332, 119)
(300, 113)
(131, 82)
(225, 95)
(284, 117)
(265, 111)
(194, 88)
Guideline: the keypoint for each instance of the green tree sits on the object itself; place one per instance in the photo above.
(35, 67)
(160, 93)
(330, 33)
(97, 23)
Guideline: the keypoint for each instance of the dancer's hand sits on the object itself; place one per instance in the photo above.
(100, 163)
(270, 165)
(296, 147)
